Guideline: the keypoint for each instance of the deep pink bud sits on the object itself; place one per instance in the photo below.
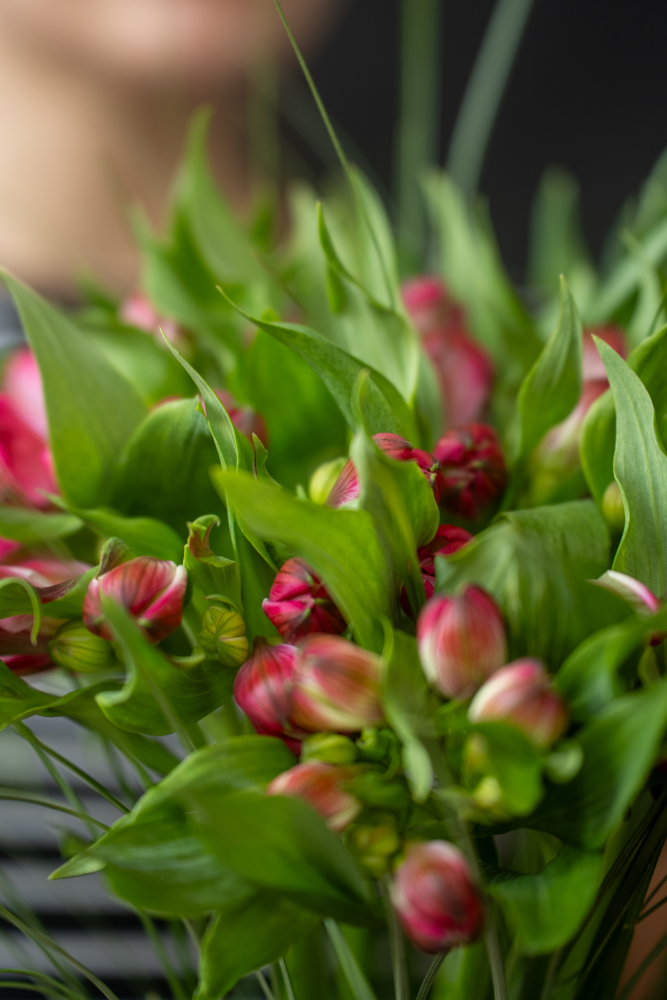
(473, 469)
(461, 641)
(299, 604)
(152, 590)
(321, 785)
(521, 693)
(428, 303)
(26, 465)
(448, 539)
(465, 373)
(643, 600)
(16, 649)
(22, 384)
(263, 689)
(346, 487)
(336, 686)
(593, 366)
(41, 573)
(435, 897)
(8, 548)
(138, 311)
(244, 418)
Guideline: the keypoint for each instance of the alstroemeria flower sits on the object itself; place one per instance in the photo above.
(322, 787)
(473, 469)
(346, 488)
(336, 686)
(521, 694)
(152, 590)
(299, 603)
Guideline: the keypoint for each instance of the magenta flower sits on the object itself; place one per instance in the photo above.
(152, 590)
(16, 649)
(521, 694)
(299, 604)
(322, 787)
(336, 686)
(461, 641)
(448, 539)
(473, 469)
(22, 384)
(263, 689)
(346, 487)
(435, 897)
(428, 303)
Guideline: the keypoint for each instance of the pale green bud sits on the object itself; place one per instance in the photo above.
(612, 507)
(223, 635)
(330, 748)
(75, 648)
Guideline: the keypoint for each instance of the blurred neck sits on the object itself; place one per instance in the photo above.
(78, 150)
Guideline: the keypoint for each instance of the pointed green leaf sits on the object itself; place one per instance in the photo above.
(32, 527)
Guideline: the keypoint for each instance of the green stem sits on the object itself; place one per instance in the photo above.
(417, 141)
(264, 986)
(287, 980)
(355, 978)
(161, 952)
(14, 795)
(434, 968)
(396, 947)
(472, 131)
(495, 955)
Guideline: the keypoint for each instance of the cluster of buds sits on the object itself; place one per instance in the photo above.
(26, 465)
(151, 590)
(299, 604)
(464, 370)
(324, 685)
(346, 489)
(461, 641)
(473, 470)
(521, 694)
(435, 897)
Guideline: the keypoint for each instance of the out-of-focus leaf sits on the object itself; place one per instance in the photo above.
(620, 745)
(164, 470)
(144, 535)
(504, 754)
(14, 600)
(553, 385)
(546, 910)
(598, 439)
(32, 527)
(156, 696)
(536, 563)
(627, 275)
(640, 468)
(341, 546)
(247, 933)
(91, 409)
(557, 244)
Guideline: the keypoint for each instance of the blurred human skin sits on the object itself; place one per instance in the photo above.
(95, 96)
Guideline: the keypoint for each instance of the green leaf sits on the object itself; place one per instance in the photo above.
(505, 754)
(399, 498)
(164, 470)
(91, 409)
(32, 527)
(598, 438)
(282, 844)
(640, 468)
(144, 535)
(547, 909)
(246, 934)
(557, 243)
(553, 385)
(627, 275)
(387, 410)
(210, 573)
(340, 545)
(407, 703)
(536, 564)
(156, 696)
(620, 746)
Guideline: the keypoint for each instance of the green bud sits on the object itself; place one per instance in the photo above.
(612, 507)
(75, 648)
(323, 479)
(223, 635)
(330, 748)
(376, 744)
(375, 846)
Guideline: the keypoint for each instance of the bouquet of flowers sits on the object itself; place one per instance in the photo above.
(388, 558)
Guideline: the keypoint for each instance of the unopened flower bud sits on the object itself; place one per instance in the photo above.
(298, 603)
(75, 648)
(151, 590)
(461, 641)
(428, 303)
(323, 479)
(322, 787)
(346, 488)
(331, 748)
(473, 469)
(374, 846)
(613, 510)
(448, 539)
(223, 634)
(593, 369)
(521, 694)
(336, 686)
(643, 601)
(263, 689)
(435, 897)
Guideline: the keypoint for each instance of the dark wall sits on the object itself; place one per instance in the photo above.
(588, 92)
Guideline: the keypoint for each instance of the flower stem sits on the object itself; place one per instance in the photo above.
(431, 974)
(472, 131)
(495, 957)
(396, 946)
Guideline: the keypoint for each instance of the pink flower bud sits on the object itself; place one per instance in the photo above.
(22, 384)
(461, 641)
(521, 693)
(473, 469)
(558, 452)
(16, 649)
(428, 303)
(346, 487)
(448, 539)
(244, 418)
(465, 373)
(643, 601)
(263, 689)
(299, 604)
(8, 548)
(321, 785)
(593, 366)
(435, 897)
(26, 465)
(152, 590)
(138, 311)
(336, 686)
